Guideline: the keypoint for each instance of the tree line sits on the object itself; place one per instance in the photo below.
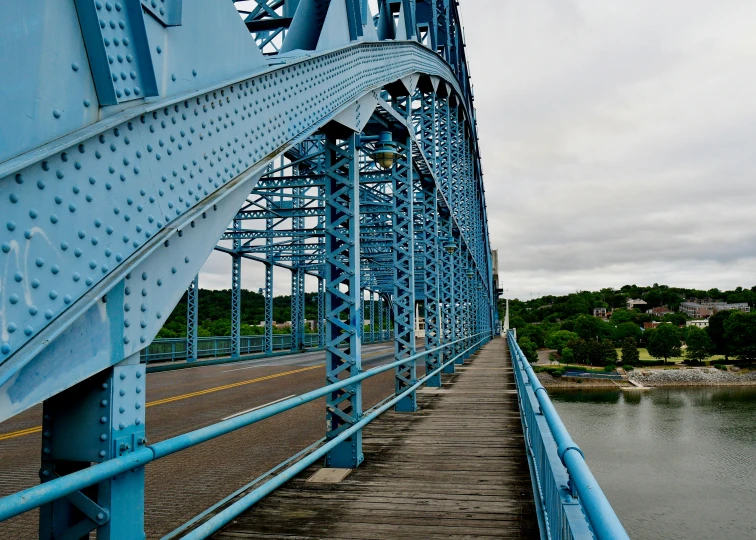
(214, 309)
(566, 324)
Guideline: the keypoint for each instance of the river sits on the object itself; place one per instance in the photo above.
(674, 462)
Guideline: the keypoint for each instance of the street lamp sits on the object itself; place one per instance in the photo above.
(384, 150)
(449, 245)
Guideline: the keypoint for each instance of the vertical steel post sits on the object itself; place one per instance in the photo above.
(373, 337)
(321, 313)
(342, 271)
(381, 323)
(432, 297)
(98, 419)
(404, 275)
(192, 308)
(236, 262)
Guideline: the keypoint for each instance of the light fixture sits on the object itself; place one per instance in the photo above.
(470, 273)
(385, 150)
(449, 245)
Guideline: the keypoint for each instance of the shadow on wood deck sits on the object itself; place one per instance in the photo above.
(455, 469)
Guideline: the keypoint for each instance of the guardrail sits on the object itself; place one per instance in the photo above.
(174, 349)
(47, 492)
(569, 500)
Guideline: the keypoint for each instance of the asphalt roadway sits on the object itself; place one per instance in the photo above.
(180, 486)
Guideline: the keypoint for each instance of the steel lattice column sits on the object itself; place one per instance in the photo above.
(404, 276)
(373, 337)
(297, 309)
(297, 279)
(98, 419)
(192, 309)
(458, 279)
(268, 292)
(381, 322)
(321, 313)
(447, 291)
(432, 300)
(236, 262)
(342, 270)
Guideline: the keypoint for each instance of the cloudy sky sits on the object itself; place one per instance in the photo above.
(618, 143)
(617, 140)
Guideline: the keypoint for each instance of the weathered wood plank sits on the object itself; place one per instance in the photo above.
(455, 469)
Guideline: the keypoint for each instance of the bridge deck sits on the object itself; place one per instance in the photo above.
(456, 469)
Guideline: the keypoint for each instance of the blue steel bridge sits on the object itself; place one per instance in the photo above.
(335, 139)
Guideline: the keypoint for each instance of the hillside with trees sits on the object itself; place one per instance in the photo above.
(567, 325)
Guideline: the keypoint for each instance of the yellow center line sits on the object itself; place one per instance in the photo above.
(37, 429)
(27, 431)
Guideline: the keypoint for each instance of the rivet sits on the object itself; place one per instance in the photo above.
(56, 113)
(102, 454)
(103, 437)
(13, 299)
(28, 330)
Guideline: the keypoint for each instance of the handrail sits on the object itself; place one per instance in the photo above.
(603, 521)
(28, 499)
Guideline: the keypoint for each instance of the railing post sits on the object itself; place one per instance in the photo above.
(191, 320)
(342, 271)
(404, 274)
(96, 420)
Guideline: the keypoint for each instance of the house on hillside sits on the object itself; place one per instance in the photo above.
(636, 303)
(659, 311)
(703, 323)
(600, 312)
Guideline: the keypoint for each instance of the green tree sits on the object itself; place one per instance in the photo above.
(558, 340)
(622, 316)
(626, 330)
(568, 356)
(591, 328)
(716, 331)
(699, 345)
(534, 332)
(608, 352)
(740, 332)
(630, 354)
(678, 319)
(664, 342)
(529, 349)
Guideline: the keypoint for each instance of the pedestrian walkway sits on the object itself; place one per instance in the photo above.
(455, 469)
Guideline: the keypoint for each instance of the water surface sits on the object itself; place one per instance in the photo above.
(674, 463)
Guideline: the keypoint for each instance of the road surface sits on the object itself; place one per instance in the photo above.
(180, 486)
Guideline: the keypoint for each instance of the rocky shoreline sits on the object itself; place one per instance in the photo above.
(703, 376)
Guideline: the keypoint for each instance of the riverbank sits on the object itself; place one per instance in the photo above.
(696, 376)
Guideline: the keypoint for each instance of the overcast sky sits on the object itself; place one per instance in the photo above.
(618, 140)
(618, 143)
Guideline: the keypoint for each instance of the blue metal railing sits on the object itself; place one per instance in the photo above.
(47, 492)
(174, 349)
(569, 501)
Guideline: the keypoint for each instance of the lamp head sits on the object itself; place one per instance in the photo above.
(385, 150)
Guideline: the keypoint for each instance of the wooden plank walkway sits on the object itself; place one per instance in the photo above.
(455, 469)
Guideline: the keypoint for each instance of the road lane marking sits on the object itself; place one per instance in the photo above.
(258, 407)
(229, 386)
(20, 433)
(37, 429)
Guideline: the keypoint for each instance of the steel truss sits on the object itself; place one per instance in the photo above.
(355, 164)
